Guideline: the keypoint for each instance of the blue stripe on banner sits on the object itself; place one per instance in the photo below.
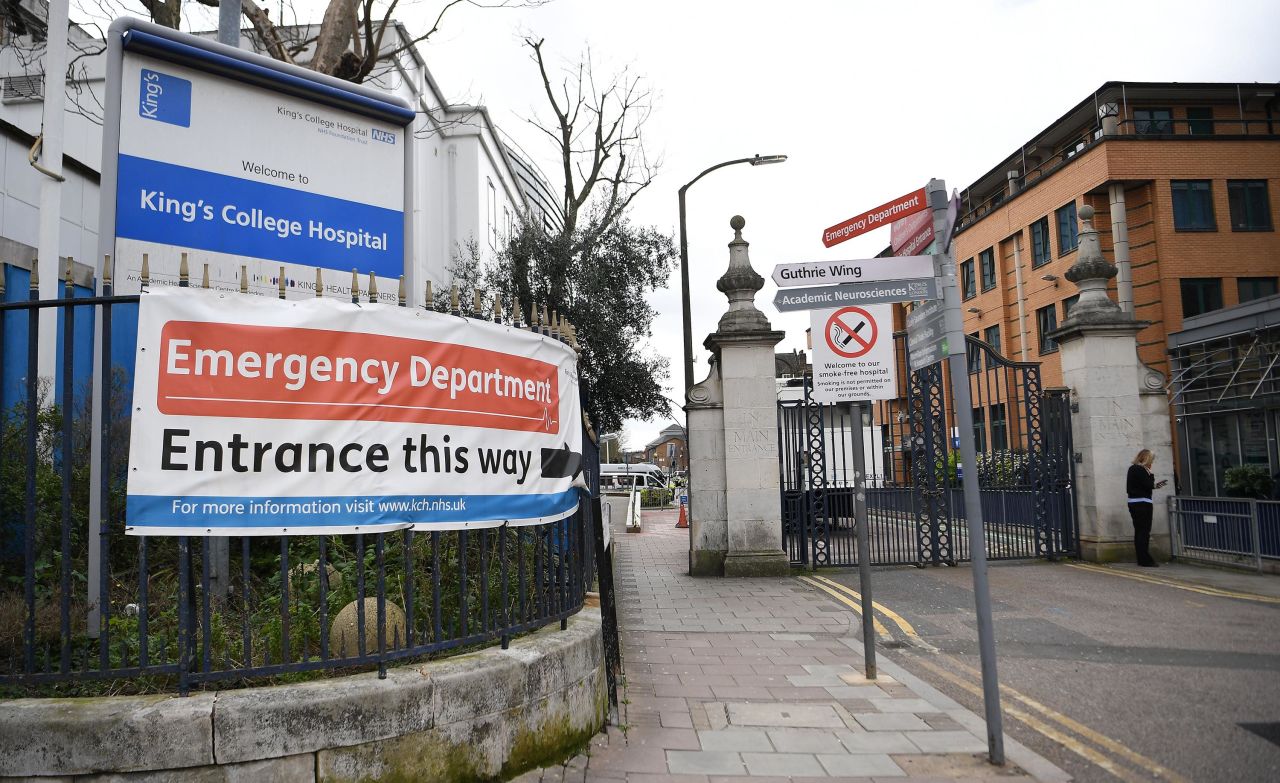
(204, 511)
(176, 205)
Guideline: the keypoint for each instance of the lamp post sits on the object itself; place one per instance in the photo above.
(758, 160)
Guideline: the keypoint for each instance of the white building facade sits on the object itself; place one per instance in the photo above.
(468, 194)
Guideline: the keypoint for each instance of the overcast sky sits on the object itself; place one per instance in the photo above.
(868, 99)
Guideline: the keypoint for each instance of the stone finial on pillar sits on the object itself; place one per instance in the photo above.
(1091, 273)
(739, 283)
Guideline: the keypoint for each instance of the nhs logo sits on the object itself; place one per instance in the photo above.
(165, 98)
(381, 135)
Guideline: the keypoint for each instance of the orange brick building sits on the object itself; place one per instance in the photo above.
(1190, 172)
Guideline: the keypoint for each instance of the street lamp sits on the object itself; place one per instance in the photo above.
(758, 160)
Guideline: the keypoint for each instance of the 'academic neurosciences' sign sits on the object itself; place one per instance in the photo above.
(257, 417)
(237, 160)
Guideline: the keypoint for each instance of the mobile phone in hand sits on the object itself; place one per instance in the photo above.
(1161, 483)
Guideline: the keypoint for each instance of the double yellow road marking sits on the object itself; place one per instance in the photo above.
(1180, 585)
(1071, 734)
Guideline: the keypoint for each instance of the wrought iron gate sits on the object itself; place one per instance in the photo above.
(915, 505)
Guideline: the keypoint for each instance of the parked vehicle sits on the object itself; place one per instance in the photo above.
(621, 476)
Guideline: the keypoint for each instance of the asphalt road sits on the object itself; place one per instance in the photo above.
(1112, 674)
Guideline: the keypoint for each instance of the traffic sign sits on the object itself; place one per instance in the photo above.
(854, 359)
(817, 297)
(880, 216)
(859, 271)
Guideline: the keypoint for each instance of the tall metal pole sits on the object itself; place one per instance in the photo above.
(684, 298)
(860, 518)
(962, 399)
(757, 160)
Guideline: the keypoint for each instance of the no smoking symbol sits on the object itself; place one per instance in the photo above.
(851, 332)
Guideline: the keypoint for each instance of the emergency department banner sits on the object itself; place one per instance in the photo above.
(254, 416)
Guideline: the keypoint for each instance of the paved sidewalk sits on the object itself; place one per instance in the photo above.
(760, 680)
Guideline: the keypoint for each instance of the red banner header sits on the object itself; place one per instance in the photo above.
(872, 219)
(265, 372)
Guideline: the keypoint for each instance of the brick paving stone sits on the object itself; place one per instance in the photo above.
(876, 742)
(675, 720)
(667, 739)
(894, 721)
(705, 762)
(805, 741)
(785, 715)
(861, 765)
(733, 739)
(790, 764)
(946, 741)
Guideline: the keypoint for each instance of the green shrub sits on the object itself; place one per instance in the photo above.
(1248, 481)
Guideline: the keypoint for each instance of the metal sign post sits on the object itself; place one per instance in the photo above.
(864, 542)
(961, 398)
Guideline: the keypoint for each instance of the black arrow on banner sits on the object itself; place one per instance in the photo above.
(561, 463)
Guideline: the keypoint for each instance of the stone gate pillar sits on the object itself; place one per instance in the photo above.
(736, 526)
(1119, 406)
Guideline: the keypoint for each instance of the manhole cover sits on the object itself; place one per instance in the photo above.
(1268, 731)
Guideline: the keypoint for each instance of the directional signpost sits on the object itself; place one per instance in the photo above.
(882, 215)
(824, 296)
(847, 335)
(860, 271)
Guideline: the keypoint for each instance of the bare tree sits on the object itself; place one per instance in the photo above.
(596, 130)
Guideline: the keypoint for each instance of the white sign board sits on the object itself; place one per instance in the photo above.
(862, 270)
(853, 357)
(236, 173)
(254, 416)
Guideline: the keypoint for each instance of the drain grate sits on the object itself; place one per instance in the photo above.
(1268, 731)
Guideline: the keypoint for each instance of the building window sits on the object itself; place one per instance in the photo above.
(1067, 229)
(493, 215)
(1200, 121)
(973, 354)
(992, 337)
(1193, 205)
(1256, 287)
(1040, 242)
(1250, 207)
(979, 430)
(987, 260)
(1067, 304)
(1152, 122)
(999, 428)
(966, 279)
(1201, 295)
(1047, 321)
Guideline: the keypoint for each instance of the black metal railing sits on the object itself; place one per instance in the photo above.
(171, 613)
(915, 505)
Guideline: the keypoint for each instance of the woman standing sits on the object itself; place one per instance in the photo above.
(1138, 485)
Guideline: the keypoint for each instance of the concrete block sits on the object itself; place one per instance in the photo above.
(470, 686)
(292, 769)
(81, 736)
(260, 723)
